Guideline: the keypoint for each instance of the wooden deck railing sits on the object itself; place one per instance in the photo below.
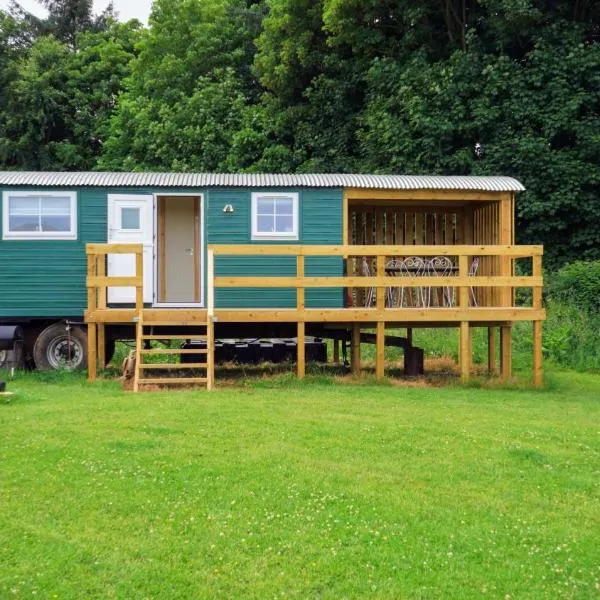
(506, 281)
(98, 281)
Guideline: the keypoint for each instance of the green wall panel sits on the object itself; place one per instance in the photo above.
(46, 278)
(320, 223)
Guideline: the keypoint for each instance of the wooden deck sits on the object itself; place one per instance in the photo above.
(499, 309)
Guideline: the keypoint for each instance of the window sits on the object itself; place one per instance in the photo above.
(274, 216)
(130, 218)
(39, 215)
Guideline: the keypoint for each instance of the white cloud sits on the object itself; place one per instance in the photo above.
(127, 9)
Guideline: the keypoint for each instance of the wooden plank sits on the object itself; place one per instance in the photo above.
(345, 220)
(210, 283)
(91, 351)
(139, 289)
(506, 238)
(111, 281)
(178, 336)
(355, 348)
(101, 272)
(210, 357)
(372, 315)
(464, 351)
(537, 354)
(301, 350)
(172, 366)
(508, 250)
(491, 335)
(92, 294)
(161, 351)
(421, 195)
(380, 293)
(172, 380)
(139, 332)
(463, 292)
(380, 351)
(378, 281)
(299, 288)
(114, 249)
(506, 352)
(537, 290)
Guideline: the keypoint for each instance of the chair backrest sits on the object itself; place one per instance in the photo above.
(441, 265)
(474, 267)
(366, 270)
(415, 265)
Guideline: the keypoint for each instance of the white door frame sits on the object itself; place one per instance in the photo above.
(157, 253)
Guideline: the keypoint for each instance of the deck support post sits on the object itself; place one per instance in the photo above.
(301, 348)
(336, 352)
(465, 351)
(409, 336)
(506, 351)
(355, 348)
(102, 345)
(491, 335)
(92, 347)
(537, 354)
(380, 355)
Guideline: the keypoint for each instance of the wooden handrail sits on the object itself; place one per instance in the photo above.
(375, 250)
(379, 281)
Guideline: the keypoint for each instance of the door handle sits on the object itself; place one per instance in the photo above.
(189, 251)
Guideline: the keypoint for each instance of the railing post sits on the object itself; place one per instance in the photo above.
(464, 334)
(210, 320)
(139, 273)
(537, 325)
(380, 291)
(300, 288)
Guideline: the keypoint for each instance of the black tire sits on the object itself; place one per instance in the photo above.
(59, 348)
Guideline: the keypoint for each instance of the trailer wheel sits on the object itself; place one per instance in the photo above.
(59, 348)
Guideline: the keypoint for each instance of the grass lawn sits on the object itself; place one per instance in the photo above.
(312, 490)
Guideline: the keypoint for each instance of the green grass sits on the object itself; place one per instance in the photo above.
(302, 490)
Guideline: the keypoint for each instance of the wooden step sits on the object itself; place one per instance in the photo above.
(147, 366)
(175, 324)
(172, 380)
(174, 351)
(172, 336)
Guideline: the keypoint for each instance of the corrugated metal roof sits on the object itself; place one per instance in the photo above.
(195, 180)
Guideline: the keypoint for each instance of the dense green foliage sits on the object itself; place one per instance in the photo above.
(577, 284)
(321, 85)
(299, 490)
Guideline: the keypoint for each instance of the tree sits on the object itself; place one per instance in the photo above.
(188, 89)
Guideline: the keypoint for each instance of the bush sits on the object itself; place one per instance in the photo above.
(578, 285)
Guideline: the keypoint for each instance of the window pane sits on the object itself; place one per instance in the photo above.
(265, 206)
(56, 223)
(284, 206)
(28, 205)
(265, 224)
(56, 206)
(130, 218)
(284, 224)
(23, 223)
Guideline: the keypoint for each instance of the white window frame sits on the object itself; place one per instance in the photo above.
(39, 235)
(275, 235)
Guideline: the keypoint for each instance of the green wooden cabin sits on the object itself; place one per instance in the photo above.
(48, 218)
